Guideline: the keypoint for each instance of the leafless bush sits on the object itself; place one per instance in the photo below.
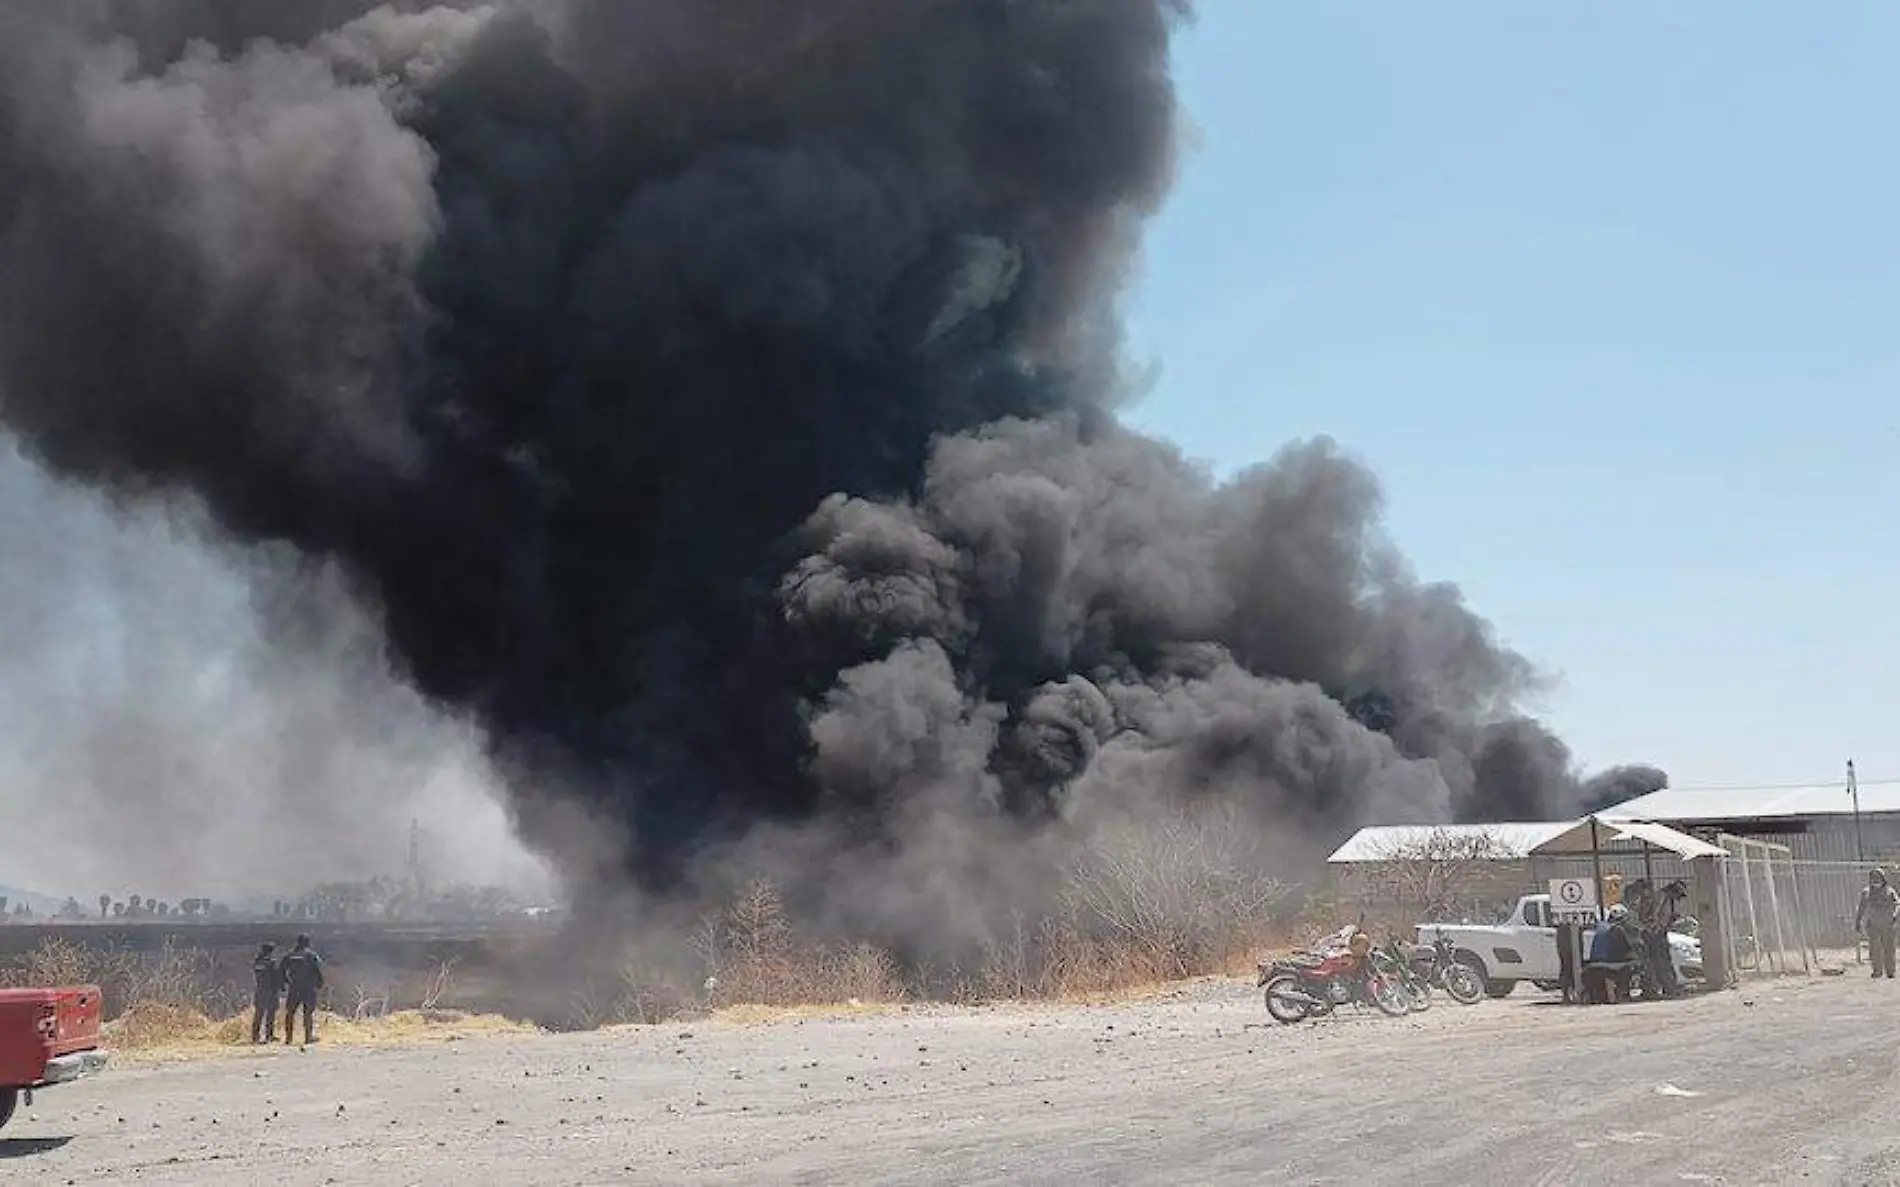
(861, 972)
(589, 1009)
(148, 997)
(1016, 963)
(647, 997)
(171, 977)
(1429, 874)
(439, 984)
(752, 955)
(1145, 902)
(370, 1002)
(1172, 897)
(177, 976)
(52, 962)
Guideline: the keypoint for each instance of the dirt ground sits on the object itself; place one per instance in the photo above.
(1781, 1083)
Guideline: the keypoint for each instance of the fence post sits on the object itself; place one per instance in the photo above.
(1805, 932)
(1748, 892)
(1774, 910)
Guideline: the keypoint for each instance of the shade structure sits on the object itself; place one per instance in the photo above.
(1577, 840)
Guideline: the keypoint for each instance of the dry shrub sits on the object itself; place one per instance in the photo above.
(649, 996)
(753, 957)
(147, 1025)
(172, 1000)
(1172, 897)
(1144, 904)
(127, 980)
(54, 962)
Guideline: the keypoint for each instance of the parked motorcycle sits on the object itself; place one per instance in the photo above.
(1437, 964)
(1305, 986)
(1393, 961)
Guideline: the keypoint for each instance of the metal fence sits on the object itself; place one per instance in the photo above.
(1827, 894)
(1785, 915)
(1774, 910)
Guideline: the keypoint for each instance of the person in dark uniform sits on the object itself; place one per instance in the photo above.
(303, 979)
(1611, 963)
(268, 987)
(1876, 915)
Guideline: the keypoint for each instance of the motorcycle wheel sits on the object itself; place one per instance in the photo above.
(1462, 985)
(1284, 1010)
(1421, 995)
(1388, 996)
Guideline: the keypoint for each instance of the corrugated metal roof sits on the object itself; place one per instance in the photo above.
(1514, 841)
(1767, 803)
(1576, 837)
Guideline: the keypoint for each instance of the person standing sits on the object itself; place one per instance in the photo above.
(268, 986)
(1876, 916)
(303, 979)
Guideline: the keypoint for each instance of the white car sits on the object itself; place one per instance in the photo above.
(1524, 948)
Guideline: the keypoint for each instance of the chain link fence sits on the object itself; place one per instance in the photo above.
(1788, 915)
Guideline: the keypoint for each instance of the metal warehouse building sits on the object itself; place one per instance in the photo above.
(1819, 847)
(1473, 872)
(1815, 823)
(1831, 844)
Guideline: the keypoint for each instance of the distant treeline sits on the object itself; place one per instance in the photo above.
(376, 899)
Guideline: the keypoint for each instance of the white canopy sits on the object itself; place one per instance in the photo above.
(1575, 839)
(1512, 841)
(1419, 842)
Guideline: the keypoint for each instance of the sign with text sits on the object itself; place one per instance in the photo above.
(1573, 898)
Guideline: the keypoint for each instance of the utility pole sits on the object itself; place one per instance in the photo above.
(1853, 789)
(415, 859)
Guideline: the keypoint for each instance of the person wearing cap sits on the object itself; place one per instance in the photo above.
(1876, 917)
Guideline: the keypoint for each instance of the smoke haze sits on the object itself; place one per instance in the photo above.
(187, 721)
(711, 405)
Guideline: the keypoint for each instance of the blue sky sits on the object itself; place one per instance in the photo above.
(1610, 298)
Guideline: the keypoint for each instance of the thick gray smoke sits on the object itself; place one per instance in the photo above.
(184, 720)
(713, 399)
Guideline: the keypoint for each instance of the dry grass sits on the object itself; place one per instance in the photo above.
(758, 1015)
(164, 1033)
(170, 1005)
(1144, 909)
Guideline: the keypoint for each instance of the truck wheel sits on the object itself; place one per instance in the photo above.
(1499, 989)
(9, 1099)
(1475, 963)
(1464, 984)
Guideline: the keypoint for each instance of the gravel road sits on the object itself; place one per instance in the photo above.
(1772, 1085)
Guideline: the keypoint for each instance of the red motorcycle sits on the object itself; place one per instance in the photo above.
(1307, 985)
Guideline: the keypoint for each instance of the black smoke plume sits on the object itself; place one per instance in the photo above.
(716, 399)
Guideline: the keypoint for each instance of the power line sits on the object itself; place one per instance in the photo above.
(1814, 785)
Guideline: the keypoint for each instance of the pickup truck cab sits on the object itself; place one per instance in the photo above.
(1524, 948)
(47, 1037)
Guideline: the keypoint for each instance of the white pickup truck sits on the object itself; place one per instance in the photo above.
(1524, 948)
